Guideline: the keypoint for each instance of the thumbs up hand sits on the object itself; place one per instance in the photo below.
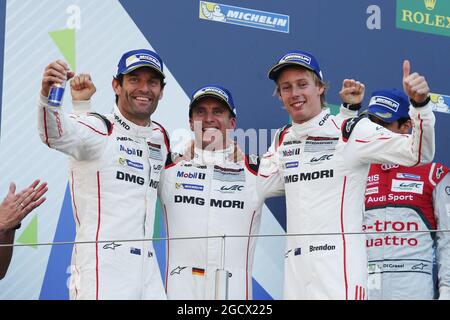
(414, 85)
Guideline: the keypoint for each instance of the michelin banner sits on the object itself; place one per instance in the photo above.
(232, 43)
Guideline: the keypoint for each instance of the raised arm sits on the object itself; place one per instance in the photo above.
(368, 142)
(81, 137)
(352, 94)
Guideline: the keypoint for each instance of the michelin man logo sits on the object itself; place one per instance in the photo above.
(130, 60)
(439, 103)
(215, 14)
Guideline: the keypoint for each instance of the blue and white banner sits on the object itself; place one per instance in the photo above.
(244, 17)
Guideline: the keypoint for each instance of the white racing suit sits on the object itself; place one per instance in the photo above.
(114, 171)
(209, 196)
(323, 169)
(408, 199)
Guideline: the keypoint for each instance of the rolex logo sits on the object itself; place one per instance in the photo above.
(429, 4)
(427, 16)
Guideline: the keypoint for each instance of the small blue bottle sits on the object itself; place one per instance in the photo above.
(56, 94)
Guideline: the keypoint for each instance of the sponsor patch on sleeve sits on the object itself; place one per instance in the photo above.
(407, 186)
(407, 176)
(292, 164)
(371, 190)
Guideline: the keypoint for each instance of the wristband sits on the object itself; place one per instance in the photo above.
(422, 104)
(353, 107)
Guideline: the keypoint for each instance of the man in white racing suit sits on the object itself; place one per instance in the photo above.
(210, 193)
(323, 167)
(115, 163)
(406, 199)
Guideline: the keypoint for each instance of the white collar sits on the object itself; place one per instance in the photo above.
(129, 127)
(213, 157)
(314, 126)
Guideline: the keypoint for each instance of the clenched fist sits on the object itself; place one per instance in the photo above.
(82, 87)
(352, 91)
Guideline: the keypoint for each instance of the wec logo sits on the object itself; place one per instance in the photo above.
(407, 186)
(322, 158)
(230, 189)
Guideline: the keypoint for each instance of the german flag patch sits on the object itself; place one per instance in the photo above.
(198, 272)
